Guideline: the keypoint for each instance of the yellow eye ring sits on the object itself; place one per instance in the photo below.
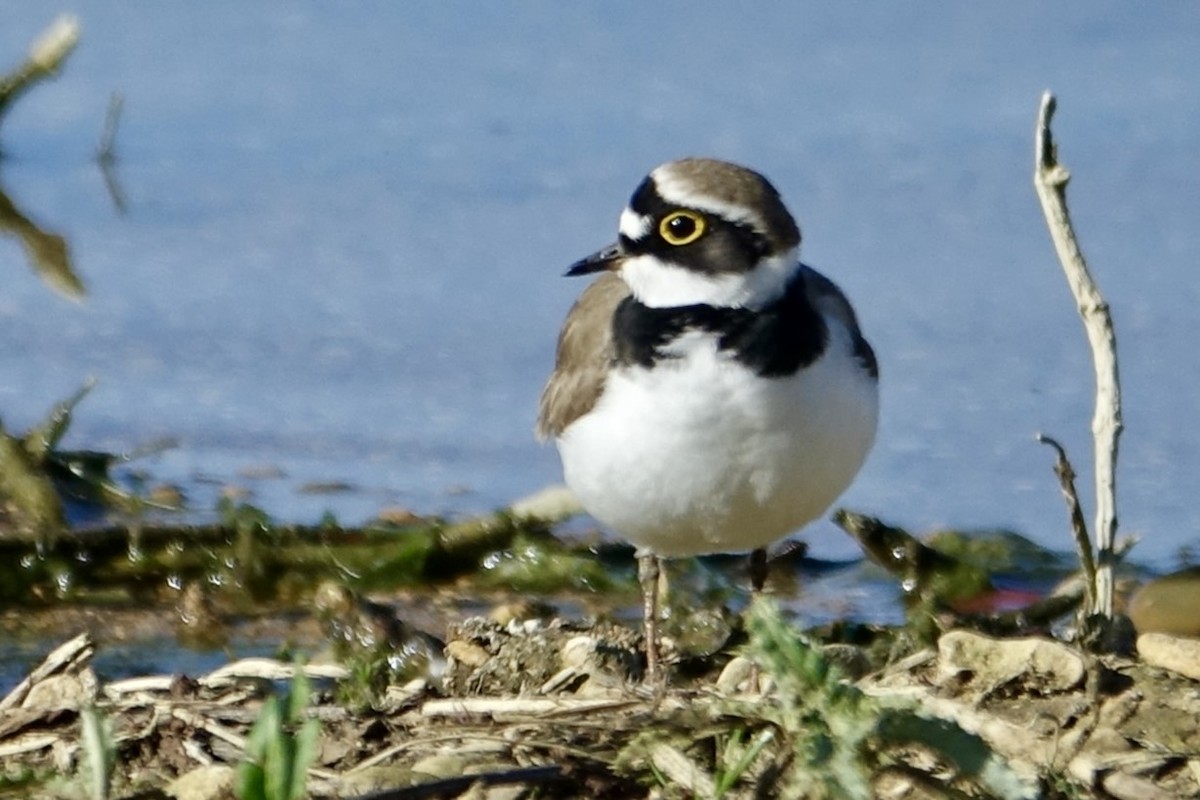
(681, 227)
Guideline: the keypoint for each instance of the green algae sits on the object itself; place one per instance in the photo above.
(534, 561)
(1000, 551)
(248, 561)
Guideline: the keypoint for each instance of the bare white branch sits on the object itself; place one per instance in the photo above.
(1050, 180)
(55, 43)
(46, 56)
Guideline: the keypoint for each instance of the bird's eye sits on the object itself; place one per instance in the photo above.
(681, 227)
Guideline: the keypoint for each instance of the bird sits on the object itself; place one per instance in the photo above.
(710, 392)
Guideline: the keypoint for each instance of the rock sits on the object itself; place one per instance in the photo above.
(1176, 653)
(70, 691)
(735, 675)
(519, 610)
(578, 651)
(486, 658)
(399, 516)
(440, 765)
(552, 503)
(468, 654)
(851, 661)
(167, 494)
(374, 779)
(1168, 604)
(213, 782)
(1041, 665)
(398, 697)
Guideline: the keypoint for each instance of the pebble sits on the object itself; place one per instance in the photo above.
(399, 516)
(203, 783)
(70, 691)
(736, 673)
(1176, 653)
(1168, 604)
(578, 651)
(1043, 664)
(467, 653)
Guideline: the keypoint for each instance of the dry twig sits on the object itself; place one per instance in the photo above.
(1083, 545)
(46, 56)
(1050, 180)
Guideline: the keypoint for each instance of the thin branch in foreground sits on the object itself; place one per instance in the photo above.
(1050, 180)
(46, 56)
(1083, 545)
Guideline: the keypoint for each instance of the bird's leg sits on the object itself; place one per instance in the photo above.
(758, 579)
(758, 572)
(648, 569)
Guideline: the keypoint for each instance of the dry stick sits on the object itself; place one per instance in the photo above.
(46, 56)
(1066, 481)
(1050, 180)
(230, 736)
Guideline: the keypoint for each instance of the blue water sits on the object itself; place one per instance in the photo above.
(346, 227)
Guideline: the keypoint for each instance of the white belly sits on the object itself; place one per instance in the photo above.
(698, 455)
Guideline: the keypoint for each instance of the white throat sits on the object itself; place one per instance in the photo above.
(660, 284)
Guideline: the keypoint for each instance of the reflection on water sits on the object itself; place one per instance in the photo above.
(47, 252)
(106, 152)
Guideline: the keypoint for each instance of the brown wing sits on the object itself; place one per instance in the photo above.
(585, 351)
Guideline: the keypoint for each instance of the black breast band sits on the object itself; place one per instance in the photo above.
(774, 341)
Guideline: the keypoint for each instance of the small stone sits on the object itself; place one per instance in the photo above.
(1175, 653)
(735, 675)
(373, 779)
(1041, 664)
(203, 783)
(326, 487)
(851, 661)
(399, 516)
(523, 627)
(577, 651)
(1168, 604)
(503, 792)
(441, 765)
(467, 653)
(551, 503)
(506, 614)
(398, 697)
(167, 494)
(415, 686)
(262, 472)
(603, 685)
(71, 691)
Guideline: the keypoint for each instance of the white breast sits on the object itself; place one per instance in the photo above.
(700, 455)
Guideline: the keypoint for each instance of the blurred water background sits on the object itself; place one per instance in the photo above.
(346, 225)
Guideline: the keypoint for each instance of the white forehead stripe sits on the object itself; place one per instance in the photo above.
(680, 192)
(634, 225)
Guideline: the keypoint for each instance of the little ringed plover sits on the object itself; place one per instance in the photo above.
(710, 393)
